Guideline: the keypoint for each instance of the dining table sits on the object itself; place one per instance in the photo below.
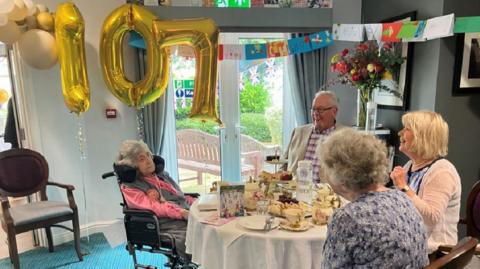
(233, 246)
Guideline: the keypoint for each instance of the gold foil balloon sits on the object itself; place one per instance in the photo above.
(70, 36)
(3, 96)
(45, 21)
(202, 35)
(127, 18)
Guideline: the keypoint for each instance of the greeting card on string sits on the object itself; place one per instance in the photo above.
(347, 32)
(390, 31)
(467, 25)
(439, 27)
(320, 40)
(299, 45)
(231, 52)
(277, 49)
(408, 29)
(418, 37)
(255, 51)
(373, 31)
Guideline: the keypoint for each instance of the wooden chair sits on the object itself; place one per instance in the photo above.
(472, 218)
(24, 172)
(458, 257)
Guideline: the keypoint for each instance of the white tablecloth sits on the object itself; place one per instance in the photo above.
(274, 249)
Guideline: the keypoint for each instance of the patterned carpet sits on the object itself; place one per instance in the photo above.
(100, 255)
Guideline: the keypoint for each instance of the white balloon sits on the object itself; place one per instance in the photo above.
(6, 6)
(31, 7)
(3, 19)
(9, 33)
(19, 11)
(38, 49)
(42, 8)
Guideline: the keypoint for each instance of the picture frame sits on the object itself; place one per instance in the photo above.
(466, 78)
(402, 79)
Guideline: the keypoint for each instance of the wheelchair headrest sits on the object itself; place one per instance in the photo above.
(128, 174)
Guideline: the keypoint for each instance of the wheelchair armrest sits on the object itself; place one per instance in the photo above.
(193, 194)
(139, 212)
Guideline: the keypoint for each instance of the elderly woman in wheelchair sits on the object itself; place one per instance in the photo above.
(145, 185)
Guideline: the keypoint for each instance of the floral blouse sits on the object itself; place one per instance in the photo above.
(377, 230)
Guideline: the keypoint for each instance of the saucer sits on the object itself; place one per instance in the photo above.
(304, 225)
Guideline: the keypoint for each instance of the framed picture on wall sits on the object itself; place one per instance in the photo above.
(400, 81)
(466, 78)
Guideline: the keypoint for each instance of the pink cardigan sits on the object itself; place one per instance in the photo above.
(137, 199)
(438, 202)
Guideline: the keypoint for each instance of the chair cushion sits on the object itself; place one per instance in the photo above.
(38, 211)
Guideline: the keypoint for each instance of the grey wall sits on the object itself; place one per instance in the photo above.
(461, 112)
(345, 11)
(424, 64)
(431, 87)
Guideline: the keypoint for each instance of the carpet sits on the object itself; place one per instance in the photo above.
(99, 255)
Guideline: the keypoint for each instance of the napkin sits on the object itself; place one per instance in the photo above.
(230, 232)
(208, 202)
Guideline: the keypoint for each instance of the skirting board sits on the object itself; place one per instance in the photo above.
(64, 236)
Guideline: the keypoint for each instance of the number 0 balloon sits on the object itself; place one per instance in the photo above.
(127, 18)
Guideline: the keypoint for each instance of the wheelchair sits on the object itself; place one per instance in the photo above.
(144, 230)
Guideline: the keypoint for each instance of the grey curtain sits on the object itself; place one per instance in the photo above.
(154, 114)
(308, 73)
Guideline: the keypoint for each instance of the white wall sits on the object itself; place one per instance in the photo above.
(54, 128)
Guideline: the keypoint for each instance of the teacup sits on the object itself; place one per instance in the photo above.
(294, 216)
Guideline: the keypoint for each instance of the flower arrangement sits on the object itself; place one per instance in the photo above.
(366, 67)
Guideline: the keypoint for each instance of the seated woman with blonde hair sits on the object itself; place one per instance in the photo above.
(431, 181)
(380, 227)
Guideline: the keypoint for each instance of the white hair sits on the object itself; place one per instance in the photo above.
(332, 95)
(129, 151)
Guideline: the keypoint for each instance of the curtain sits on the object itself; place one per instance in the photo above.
(154, 114)
(308, 73)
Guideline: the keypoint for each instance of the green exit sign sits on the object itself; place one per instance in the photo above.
(233, 3)
(184, 84)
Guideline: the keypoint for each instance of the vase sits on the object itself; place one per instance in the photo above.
(362, 100)
(371, 117)
(366, 110)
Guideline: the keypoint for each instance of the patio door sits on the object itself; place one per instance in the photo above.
(254, 106)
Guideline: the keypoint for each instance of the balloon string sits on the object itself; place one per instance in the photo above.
(140, 125)
(83, 160)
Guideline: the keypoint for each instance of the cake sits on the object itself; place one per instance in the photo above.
(324, 205)
(253, 193)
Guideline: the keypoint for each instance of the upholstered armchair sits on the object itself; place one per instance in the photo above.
(24, 172)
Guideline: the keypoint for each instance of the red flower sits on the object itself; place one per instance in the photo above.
(378, 68)
(362, 47)
(341, 67)
(344, 52)
(355, 77)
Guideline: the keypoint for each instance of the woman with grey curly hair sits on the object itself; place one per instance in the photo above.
(380, 227)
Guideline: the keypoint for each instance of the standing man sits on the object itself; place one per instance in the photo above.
(306, 140)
